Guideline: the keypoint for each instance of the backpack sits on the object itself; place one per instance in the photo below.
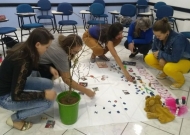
(9, 41)
(124, 20)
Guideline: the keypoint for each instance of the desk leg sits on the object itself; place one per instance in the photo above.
(55, 23)
(113, 18)
(84, 21)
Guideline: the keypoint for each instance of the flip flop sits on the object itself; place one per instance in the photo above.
(26, 125)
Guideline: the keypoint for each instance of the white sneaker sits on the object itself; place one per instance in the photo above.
(161, 76)
(176, 86)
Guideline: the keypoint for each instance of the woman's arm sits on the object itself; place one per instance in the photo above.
(19, 77)
(118, 60)
(66, 78)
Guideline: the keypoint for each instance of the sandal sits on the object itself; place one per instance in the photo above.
(26, 125)
(103, 57)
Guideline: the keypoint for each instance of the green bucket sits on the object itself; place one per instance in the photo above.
(68, 113)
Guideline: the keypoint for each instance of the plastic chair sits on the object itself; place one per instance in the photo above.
(45, 6)
(25, 11)
(96, 9)
(4, 33)
(128, 10)
(105, 16)
(67, 10)
(158, 4)
(141, 4)
(166, 11)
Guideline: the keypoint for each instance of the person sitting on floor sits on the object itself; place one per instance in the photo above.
(171, 53)
(59, 55)
(140, 36)
(25, 95)
(103, 38)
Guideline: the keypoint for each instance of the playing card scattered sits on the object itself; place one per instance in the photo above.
(50, 124)
(95, 89)
(84, 84)
(129, 63)
(126, 92)
(102, 64)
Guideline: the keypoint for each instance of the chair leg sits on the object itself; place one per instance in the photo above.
(3, 45)
(176, 26)
(76, 29)
(16, 37)
(21, 35)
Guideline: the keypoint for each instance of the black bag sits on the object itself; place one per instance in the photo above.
(9, 41)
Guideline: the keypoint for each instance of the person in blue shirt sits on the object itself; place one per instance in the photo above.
(140, 36)
(171, 53)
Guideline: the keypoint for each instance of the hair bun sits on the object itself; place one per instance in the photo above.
(165, 20)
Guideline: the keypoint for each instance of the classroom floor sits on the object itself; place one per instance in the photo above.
(152, 127)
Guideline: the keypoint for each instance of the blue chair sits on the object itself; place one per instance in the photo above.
(67, 10)
(105, 16)
(45, 7)
(166, 11)
(128, 10)
(158, 4)
(96, 10)
(186, 34)
(5, 34)
(141, 4)
(25, 12)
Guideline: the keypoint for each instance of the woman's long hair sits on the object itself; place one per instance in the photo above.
(69, 42)
(109, 31)
(142, 23)
(28, 48)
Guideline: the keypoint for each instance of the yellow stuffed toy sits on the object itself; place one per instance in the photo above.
(155, 110)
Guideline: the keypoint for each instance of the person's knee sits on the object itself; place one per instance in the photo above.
(126, 44)
(168, 69)
(50, 104)
(46, 83)
(149, 59)
(98, 52)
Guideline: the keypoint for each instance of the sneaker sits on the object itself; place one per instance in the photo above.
(103, 57)
(161, 76)
(132, 55)
(176, 86)
(92, 60)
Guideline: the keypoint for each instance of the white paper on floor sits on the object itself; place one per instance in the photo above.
(117, 100)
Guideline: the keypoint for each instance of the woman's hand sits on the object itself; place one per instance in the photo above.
(89, 93)
(156, 54)
(50, 94)
(129, 78)
(131, 47)
(54, 72)
(162, 62)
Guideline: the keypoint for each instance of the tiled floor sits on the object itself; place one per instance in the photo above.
(152, 127)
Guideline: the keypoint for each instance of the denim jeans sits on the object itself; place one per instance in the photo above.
(25, 109)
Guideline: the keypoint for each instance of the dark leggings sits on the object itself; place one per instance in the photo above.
(142, 48)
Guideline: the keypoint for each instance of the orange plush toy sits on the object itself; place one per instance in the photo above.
(155, 110)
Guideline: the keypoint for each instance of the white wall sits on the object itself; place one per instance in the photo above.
(176, 3)
(59, 1)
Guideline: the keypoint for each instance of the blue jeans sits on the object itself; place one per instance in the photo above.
(25, 109)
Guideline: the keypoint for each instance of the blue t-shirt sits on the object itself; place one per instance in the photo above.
(94, 32)
(144, 38)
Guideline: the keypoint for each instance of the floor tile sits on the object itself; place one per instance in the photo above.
(112, 129)
(139, 128)
(185, 130)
